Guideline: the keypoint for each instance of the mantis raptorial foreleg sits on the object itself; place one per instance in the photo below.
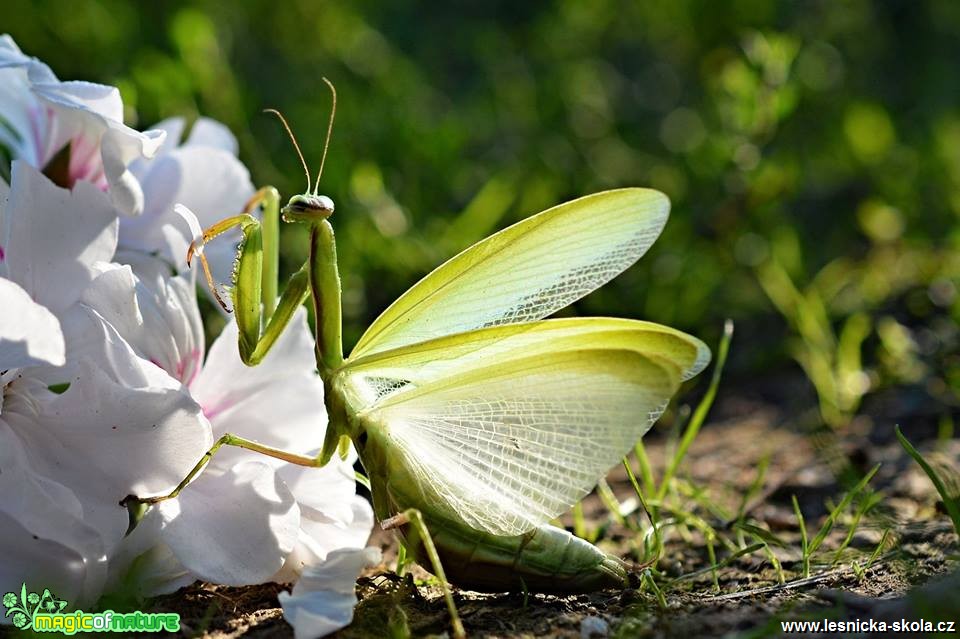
(256, 306)
(260, 317)
(414, 517)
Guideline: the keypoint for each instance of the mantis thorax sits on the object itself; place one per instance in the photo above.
(339, 423)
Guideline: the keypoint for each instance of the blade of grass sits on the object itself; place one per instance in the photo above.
(401, 559)
(714, 571)
(610, 501)
(700, 496)
(945, 428)
(651, 517)
(646, 471)
(649, 580)
(865, 506)
(876, 552)
(804, 543)
(951, 503)
(839, 508)
(726, 561)
(579, 521)
(762, 534)
(773, 561)
(755, 487)
(700, 414)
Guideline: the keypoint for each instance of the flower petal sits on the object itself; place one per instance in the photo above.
(323, 600)
(235, 528)
(208, 132)
(143, 565)
(190, 222)
(321, 535)
(55, 236)
(43, 536)
(123, 416)
(161, 322)
(278, 402)
(328, 489)
(44, 115)
(93, 113)
(26, 121)
(173, 128)
(29, 333)
(209, 180)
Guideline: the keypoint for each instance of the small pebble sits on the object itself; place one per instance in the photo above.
(592, 627)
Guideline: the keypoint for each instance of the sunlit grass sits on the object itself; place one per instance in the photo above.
(951, 502)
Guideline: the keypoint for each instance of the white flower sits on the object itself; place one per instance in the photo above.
(29, 333)
(42, 116)
(119, 424)
(202, 174)
(44, 537)
(323, 600)
(291, 516)
(104, 391)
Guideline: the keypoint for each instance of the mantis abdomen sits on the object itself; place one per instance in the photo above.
(546, 559)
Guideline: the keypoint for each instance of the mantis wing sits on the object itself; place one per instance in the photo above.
(371, 378)
(511, 446)
(525, 272)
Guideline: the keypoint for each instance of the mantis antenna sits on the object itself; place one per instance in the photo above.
(297, 146)
(326, 145)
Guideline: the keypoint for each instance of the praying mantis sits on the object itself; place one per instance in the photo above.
(476, 420)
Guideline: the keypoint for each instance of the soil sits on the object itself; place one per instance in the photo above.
(915, 572)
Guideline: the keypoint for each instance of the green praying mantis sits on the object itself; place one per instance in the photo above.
(476, 420)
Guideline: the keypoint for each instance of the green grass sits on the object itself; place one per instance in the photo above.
(950, 502)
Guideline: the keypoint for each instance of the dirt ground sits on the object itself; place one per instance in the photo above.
(914, 575)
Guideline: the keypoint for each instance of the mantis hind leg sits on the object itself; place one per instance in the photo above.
(414, 517)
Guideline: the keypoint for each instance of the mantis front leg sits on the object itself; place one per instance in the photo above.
(261, 319)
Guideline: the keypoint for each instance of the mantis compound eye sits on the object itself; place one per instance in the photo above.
(322, 202)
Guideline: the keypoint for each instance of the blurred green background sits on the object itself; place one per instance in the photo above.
(811, 150)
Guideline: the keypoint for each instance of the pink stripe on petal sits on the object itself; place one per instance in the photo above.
(190, 363)
(211, 412)
(86, 162)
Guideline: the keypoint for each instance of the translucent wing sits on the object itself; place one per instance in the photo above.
(525, 272)
(369, 379)
(510, 446)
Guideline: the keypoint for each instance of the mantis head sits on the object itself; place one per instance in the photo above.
(309, 207)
